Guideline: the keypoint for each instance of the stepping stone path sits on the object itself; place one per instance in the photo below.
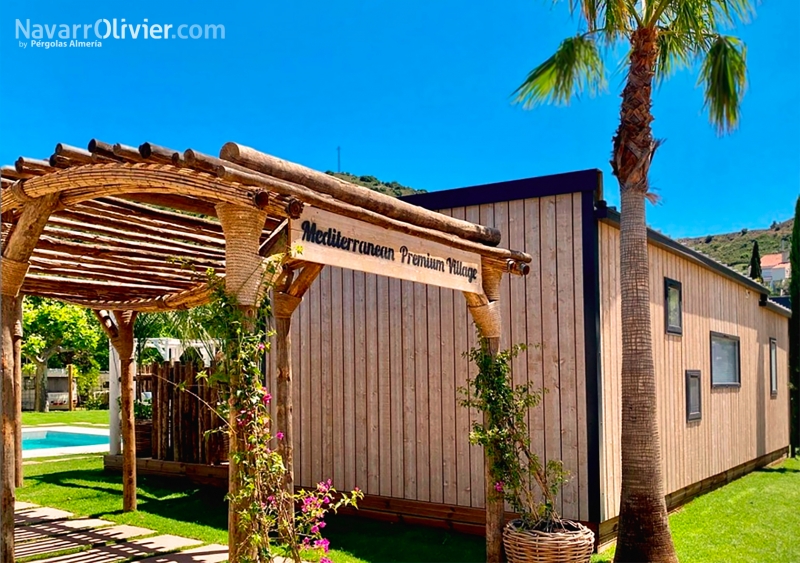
(41, 534)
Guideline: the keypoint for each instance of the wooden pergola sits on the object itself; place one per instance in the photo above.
(122, 230)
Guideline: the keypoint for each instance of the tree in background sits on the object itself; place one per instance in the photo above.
(755, 263)
(658, 37)
(150, 325)
(57, 333)
(794, 332)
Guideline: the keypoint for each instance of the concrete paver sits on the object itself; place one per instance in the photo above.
(56, 528)
(39, 514)
(77, 539)
(213, 553)
(40, 532)
(125, 550)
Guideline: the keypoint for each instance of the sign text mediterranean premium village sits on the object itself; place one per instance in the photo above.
(325, 238)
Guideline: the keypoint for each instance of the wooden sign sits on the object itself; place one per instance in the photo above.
(327, 238)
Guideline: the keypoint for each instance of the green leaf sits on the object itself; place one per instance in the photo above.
(575, 67)
(724, 77)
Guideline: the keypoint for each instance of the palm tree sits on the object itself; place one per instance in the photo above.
(660, 36)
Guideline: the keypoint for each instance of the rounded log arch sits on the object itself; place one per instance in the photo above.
(92, 181)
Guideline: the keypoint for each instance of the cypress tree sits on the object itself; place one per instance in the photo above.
(755, 262)
(794, 332)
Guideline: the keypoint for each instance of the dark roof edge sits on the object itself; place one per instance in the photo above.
(771, 305)
(542, 186)
(611, 215)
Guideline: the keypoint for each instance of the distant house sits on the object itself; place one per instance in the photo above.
(57, 390)
(775, 269)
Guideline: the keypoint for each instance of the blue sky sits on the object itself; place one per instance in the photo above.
(413, 91)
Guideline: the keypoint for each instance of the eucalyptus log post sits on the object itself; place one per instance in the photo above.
(285, 301)
(19, 246)
(120, 333)
(485, 310)
(242, 227)
(8, 406)
(18, 392)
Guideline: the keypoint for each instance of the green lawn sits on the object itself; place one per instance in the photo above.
(755, 519)
(171, 506)
(65, 417)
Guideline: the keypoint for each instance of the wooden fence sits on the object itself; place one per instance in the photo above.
(144, 380)
(183, 416)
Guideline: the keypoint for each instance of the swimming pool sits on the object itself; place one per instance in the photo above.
(59, 439)
(65, 440)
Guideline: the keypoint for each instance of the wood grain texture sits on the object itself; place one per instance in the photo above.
(738, 424)
(404, 434)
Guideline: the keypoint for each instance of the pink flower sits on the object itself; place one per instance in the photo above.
(315, 529)
(499, 486)
(323, 543)
(261, 346)
(266, 398)
(279, 435)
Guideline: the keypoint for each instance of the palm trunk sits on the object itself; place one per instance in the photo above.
(643, 526)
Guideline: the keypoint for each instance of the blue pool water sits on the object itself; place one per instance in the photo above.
(42, 439)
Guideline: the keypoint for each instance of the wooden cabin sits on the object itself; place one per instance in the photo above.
(378, 363)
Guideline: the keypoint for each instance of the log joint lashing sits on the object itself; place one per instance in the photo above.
(13, 276)
(22, 239)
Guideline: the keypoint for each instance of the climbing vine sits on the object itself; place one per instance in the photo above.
(273, 521)
(519, 476)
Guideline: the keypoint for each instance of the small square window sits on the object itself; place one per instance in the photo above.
(773, 366)
(693, 394)
(725, 365)
(673, 306)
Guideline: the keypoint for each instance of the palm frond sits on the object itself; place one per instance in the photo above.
(732, 12)
(675, 51)
(724, 77)
(575, 67)
(700, 16)
(615, 18)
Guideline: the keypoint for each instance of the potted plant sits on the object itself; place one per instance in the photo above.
(530, 487)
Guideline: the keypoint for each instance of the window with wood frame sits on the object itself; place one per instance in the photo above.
(693, 391)
(773, 366)
(725, 360)
(673, 306)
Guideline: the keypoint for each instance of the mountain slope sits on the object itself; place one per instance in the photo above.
(394, 189)
(734, 249)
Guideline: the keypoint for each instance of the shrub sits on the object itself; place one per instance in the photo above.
(97, 402)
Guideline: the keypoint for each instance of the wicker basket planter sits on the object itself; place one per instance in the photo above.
(144, 437)
(573, 544)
